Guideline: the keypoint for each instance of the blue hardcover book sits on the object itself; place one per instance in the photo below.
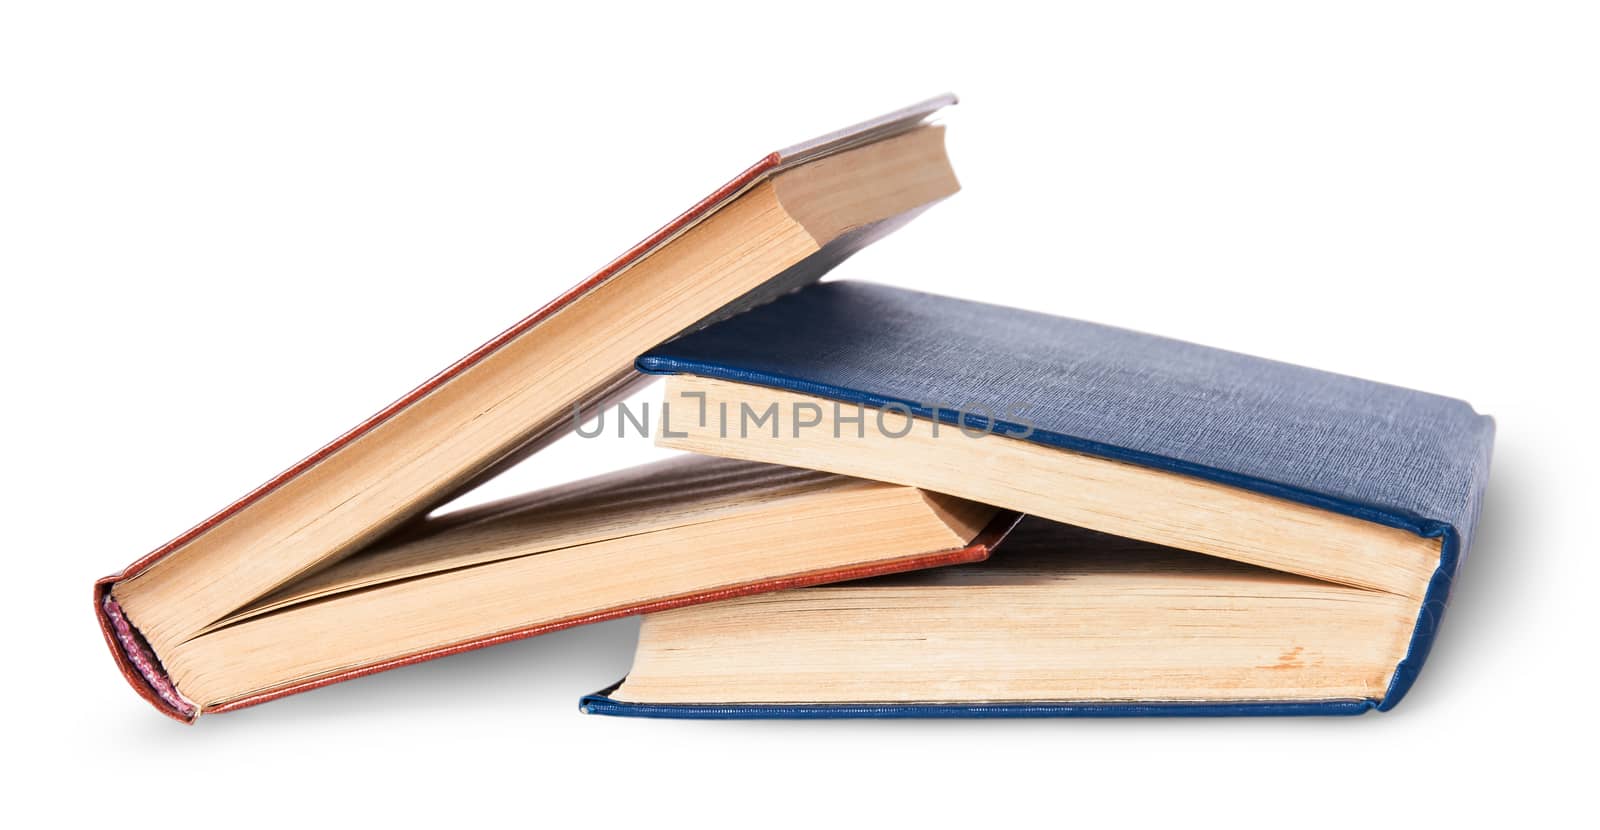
(1209, 533)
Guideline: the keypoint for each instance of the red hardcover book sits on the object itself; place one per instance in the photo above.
(176, 620)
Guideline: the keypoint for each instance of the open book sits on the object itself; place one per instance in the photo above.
(1263, 533)
(217, 618)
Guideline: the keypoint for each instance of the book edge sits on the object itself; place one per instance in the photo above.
(1453, 540)
(868, 131)
(972, 553)
(977, 550)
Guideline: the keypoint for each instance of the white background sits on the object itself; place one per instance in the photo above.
(228, 234)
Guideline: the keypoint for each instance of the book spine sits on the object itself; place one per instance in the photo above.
(138, 662)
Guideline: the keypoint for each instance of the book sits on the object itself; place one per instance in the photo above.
(783, 222)
(1302, 474)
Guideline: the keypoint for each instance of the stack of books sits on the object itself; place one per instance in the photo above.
(893, 504)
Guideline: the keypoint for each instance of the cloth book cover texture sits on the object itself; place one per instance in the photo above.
(1381, 453)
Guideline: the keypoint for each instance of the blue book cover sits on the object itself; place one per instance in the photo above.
(1381, 454)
